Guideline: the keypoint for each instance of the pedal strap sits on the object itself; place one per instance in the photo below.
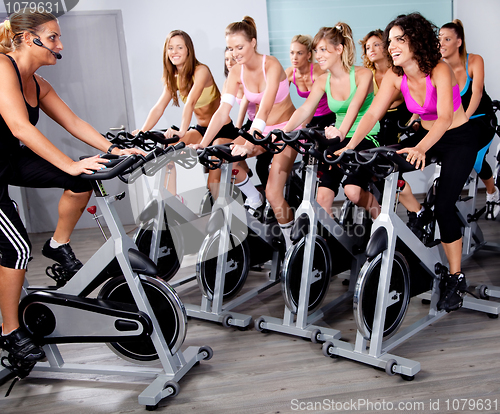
(19, 370)
(255, 212)
(490, 206)
(60, 275)
(14, 382)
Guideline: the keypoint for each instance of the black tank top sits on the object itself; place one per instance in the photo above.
(9, 144)
(485, 105)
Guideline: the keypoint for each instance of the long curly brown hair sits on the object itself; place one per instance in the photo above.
(422, 37)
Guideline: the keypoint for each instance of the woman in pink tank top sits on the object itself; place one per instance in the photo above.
(265, 84)
(375, 58)
(303, 73)
(430, 89)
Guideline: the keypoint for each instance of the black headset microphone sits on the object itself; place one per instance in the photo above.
(38, 42)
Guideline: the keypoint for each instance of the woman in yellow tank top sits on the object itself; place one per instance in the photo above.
(191, 81)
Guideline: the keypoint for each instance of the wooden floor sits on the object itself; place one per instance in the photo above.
(252, 372)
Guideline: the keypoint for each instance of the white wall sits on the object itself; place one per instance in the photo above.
(482, 36)
(147, 24)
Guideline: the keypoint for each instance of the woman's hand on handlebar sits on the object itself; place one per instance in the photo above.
(87, 165)
(170, 133)
(415, 156)
(127, 151)
(242, 150)
(332, 132)
(340, 151)
(197, 146)
(136, 131)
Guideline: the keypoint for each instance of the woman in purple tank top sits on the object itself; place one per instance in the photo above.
(303, 73)
(430, 89)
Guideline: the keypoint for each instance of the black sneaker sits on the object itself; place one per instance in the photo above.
(417, 222)
(63, 255)
(453, 288)
(20, 346)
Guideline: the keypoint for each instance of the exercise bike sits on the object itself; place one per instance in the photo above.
(138, 315)
(398, 267)
(476, 241)
(146, 141)
(322, 247)
(235, 241)
(168, 229)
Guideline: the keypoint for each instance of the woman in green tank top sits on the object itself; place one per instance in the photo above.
(349, 90)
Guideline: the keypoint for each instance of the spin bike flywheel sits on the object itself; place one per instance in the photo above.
(171, 249)
(365, 295)
(237, 265)
(167, 307)
(292, 274)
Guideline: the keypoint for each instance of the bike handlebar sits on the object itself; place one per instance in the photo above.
(121, 165)
(264, 141)
(220, 152)
(380, 161)
(117, 165)
(158, 137)
(409, 127)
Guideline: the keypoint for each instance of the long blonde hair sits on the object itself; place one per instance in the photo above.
(340, 34)
(305, 40)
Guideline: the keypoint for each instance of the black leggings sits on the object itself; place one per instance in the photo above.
(389, 129)
(456, 151)
(331, 175)
(26, 169)
(227, 131)
(486, 135)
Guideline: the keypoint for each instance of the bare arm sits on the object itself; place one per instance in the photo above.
(307, 109)
(157, 110)
(242, 112)
(274, 73)
(442, 79)
(15, 115)
(57, 109)
(441, 76)
(476, 69)
(220, 116)
(364, 84)
(381, 103)
(202, 78)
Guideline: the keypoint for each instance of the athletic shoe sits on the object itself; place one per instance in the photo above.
(417, 222)
(63, 255)
(453, 288)
(20, 346)
(255, 208)
(492, 205)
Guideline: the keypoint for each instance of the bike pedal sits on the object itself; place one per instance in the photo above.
(60, 275)
(18, 368)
